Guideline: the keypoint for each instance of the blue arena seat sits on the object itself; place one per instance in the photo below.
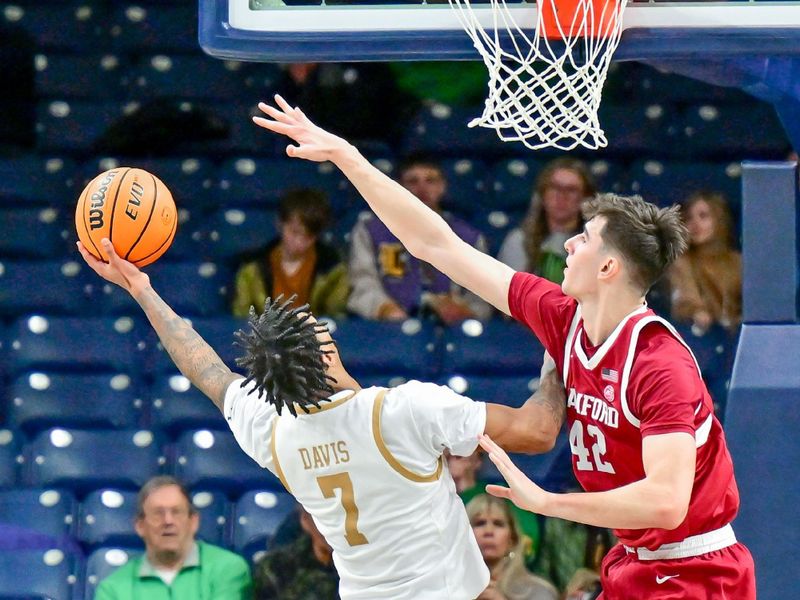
(262, 182)
(191, 180)
(239, 231)
(214, 511)
(176, 406)
(214, 461)
(190, 288)
(102, 562)
(89, 76)
(633, 129)
(32, 180)
(467, 186)
(60, 287)
(136, 27)
(64, 26)
(10, 457)
(443, 130)
(41, 400)
(187, 77)
(106, 518)
(256, 517)
(405, 348)
(497, 347)
(609, 176)
(73, 125)
(33, 233)
(512, 181)
(495, 225)
(83, 460)
(217, 331)
(46, 574)
(76, 344)
(47, 511)
(711, 131)
(511, 391)
(668, 182)
(714, 350)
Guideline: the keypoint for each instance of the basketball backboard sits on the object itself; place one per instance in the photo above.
(341, 30)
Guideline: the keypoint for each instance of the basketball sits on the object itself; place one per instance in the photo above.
(133, 209)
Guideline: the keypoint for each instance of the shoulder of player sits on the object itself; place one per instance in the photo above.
(660, 348)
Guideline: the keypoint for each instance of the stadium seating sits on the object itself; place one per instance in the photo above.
(511, 391)
(214, 461)
(10, 457)
(89, 76)
(467, 186)
(214, 511)
(666, 183)
(102, 562)
(40, 400)
(256, 517)
(38, 573)
(186, 77)
(33, 233)
(106, 518)
(83, 460)
(217, 331)
(134, 27)
(75, 125)
(405, 348)
(176, 406)
(234, 232)
(512, 183)
(46, 511)
(59, 288)
(62, 26)
(28, 181)
(441, 130)
(76, 344)
(497, 347)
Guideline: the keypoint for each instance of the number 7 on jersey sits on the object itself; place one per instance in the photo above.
(342, 481)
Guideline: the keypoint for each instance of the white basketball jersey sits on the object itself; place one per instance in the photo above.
(396, 532)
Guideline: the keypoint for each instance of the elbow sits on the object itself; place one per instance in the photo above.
(670, 514)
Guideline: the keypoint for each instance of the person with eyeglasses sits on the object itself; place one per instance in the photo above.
(175, 565)
(554, 216)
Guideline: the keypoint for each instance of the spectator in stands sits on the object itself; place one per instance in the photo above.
(502, 546)
(554, 216)
(707, 279)
(175, 565)
(301, 570)
(390, 284)
(465, 470)
(296, 262)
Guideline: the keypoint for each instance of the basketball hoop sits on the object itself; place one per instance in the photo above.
(545, 90)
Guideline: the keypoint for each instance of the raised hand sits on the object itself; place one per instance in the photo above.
(312, 142)
(521, 491)
(116, 270)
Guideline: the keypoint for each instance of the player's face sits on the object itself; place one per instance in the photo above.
(167, 525)
(562, 197)
(493, 533)
(426, 183)
(585, 256)
(700, 222)
(296, 240)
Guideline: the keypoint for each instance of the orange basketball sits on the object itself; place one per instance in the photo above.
(132, 208)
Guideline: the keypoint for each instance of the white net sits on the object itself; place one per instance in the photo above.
(546, 92)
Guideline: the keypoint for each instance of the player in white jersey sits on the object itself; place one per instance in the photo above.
(365, 463)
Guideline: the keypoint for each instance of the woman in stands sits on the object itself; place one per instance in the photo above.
(503, 547)
(554, 216)
(707, 280)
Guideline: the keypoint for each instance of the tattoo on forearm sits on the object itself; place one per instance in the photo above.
(192, 355)
(552, 397)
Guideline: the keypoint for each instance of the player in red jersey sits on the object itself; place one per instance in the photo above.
(645, 443)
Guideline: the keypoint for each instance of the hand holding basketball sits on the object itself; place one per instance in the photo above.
(313, 142)
(117, 270)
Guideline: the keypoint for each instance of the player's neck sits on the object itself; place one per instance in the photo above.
(603, 312)
(344, 382)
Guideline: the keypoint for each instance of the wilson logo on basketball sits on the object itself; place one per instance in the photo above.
(98, 200)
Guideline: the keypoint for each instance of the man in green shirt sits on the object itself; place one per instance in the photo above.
(175, 566)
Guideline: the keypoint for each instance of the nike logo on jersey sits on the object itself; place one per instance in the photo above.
(660, 580)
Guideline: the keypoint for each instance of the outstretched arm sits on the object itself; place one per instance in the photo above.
(659, 500)
(191, 354)
(421, 230)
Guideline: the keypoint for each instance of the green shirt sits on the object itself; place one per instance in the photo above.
(209, 573)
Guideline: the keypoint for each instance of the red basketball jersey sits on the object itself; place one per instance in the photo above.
(643, 380)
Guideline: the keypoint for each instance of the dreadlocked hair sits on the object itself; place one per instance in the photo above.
(283, 356)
